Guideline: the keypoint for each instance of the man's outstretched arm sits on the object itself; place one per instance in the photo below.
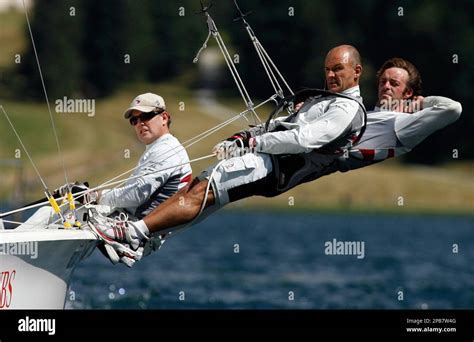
(437, 113)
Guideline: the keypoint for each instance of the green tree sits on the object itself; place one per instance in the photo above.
(57, 35)
(116, 48)
(177, 34)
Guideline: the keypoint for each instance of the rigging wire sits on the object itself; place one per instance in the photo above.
(213, 31)
(48, 194)
(267, 62)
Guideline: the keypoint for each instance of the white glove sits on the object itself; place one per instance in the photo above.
(224, 150)
(109, 252)
(130, 259)
(121, 253)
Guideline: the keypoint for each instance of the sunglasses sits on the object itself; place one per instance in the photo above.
(144, 117)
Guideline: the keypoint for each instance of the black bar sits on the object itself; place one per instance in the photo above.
(344, 323)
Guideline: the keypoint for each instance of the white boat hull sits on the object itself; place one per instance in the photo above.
(40, 278)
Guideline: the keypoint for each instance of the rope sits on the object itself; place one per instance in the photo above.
(176, 231)
(23, 146)
(265, 58)
(276, 69)
(190, 142)
(48, 194)
(267, 64)
(45, 94)
(228, 59)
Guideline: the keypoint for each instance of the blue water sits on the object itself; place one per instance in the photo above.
(282, 264)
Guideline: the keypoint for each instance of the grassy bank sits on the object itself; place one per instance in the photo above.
(384, 188)
(12, 37)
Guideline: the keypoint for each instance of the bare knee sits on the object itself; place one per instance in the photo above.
(196, 191)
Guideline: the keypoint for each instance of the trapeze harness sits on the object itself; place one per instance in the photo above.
(290, 170)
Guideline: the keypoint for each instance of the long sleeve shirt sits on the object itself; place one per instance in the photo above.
(161, 171)
(312, 127)
(391, 134)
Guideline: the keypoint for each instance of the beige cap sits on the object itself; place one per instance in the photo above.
(145, 103)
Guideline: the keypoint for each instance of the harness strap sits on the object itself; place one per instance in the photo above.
(303, 95)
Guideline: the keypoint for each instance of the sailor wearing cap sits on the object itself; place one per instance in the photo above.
(156, 176)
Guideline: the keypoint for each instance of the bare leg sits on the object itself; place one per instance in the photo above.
(181, 208)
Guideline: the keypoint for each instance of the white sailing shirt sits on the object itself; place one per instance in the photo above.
(162, 170)
(391, 134)
(313, 127)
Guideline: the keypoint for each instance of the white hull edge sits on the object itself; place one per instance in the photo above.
(37, 274)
